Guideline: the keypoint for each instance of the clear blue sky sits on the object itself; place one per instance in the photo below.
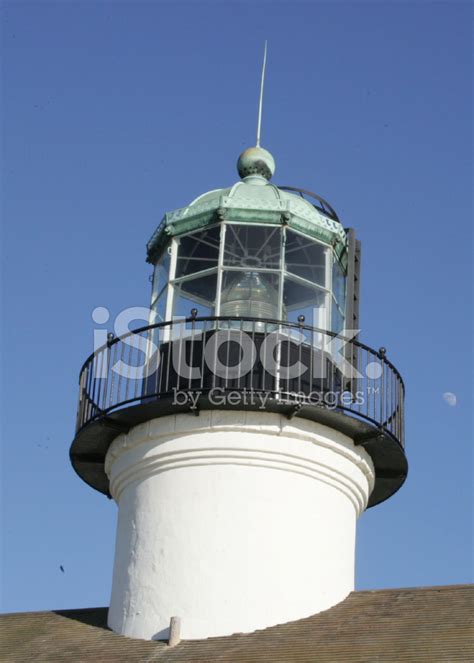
(113, 113)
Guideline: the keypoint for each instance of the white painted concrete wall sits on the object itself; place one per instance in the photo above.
(232, 521)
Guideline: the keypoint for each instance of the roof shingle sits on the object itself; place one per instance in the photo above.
(422, 625)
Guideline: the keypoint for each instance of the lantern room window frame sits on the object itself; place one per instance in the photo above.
(332, 309)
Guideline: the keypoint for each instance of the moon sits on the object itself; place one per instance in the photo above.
(450, 398)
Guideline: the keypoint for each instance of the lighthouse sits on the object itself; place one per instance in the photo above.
(244, 429)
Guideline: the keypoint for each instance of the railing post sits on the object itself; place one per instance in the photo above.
(110, 339)
(382, 353)
(301, 319)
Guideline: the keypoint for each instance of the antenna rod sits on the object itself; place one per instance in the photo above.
(260, 103)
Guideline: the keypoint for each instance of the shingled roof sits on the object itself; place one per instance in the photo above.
(423, 624)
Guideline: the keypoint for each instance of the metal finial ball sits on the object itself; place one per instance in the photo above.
(110, 337)
(382, 351)
(301, 319)
(256, 161)
(194, 312)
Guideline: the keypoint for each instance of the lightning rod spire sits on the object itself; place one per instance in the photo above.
(255, 164)
(260, 103)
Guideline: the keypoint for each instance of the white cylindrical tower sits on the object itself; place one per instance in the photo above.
(232, 521)
(244, 516)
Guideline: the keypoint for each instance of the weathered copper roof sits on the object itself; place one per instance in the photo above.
(423, 624)
(251, 203)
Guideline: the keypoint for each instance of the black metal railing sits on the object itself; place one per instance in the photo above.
(213, 357)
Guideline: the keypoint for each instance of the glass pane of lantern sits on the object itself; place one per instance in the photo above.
(337, 318)
(197, 293)
(305, 258)
(161, 273)
(252, 246)
(300, 299)
(250, 294)
(339, 284)
(159, 306)
(198, 251)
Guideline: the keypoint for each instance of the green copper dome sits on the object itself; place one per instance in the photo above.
(253, 199)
